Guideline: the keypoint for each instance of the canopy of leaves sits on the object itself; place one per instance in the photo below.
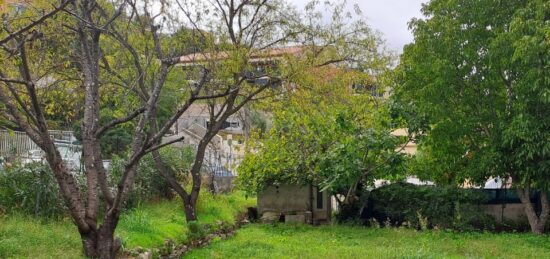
(325, 134)
(479, 71)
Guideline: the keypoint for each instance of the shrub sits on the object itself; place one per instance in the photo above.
(149, 184)
(428, 206)
(30, 189)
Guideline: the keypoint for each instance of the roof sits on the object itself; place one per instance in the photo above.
(203, 109)
(256, 55)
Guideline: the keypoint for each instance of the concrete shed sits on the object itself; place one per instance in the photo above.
(295, 203)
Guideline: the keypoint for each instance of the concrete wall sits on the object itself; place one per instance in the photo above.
(284, 198)
(510, 211)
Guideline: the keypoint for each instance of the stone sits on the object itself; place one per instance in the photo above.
(146, 255)
(299, 218)
(270, 217)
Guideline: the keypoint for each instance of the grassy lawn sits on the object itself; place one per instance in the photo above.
(146, 226)
(287, 241)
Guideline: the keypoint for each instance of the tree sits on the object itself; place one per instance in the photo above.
(327, 134)
(479, 72)
(249, 35)
(89, 29)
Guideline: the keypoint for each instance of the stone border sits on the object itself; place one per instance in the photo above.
(170, 250)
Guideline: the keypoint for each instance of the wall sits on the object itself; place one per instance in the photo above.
(284, 198)
(510, 211)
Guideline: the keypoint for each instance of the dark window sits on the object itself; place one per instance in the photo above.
(319, 199)
(225, 124)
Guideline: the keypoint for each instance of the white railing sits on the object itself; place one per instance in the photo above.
(19, 143)
(15, 143)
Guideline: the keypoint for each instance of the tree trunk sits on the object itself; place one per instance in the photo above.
(536, 222)
(101, 243)
(190, 213)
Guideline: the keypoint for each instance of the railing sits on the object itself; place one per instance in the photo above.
(19, 143)
(15, 143)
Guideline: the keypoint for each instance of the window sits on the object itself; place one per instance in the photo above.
(225, 125)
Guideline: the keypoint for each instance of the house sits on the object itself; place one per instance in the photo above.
(198, 115)
(295, 203)
(226, 149)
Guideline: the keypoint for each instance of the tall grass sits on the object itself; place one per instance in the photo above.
(290, 241)
(146, 226)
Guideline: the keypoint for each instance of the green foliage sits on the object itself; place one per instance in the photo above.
(303, 241)
(428, 206)
(324, 134)
(149, 184)
(479, 72)
(147, 226)
(26, 237)
(30, 189)
(196, 230)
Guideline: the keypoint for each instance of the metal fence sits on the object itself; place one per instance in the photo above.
(15, 143)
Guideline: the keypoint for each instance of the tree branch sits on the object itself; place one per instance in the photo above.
(118, 121)
(159, 146)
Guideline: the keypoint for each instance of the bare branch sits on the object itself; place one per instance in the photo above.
(159, 146)
(118, 121)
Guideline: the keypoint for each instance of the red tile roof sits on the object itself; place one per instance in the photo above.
(262, 54)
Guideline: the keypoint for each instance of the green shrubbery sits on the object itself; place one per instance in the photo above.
(30, 189)
(422, 207)
(149, 184)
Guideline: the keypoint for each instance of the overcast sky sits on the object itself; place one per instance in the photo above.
(387, 16)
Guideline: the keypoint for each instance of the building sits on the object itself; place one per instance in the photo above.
(226, 149)
(198, 115)
(295, 203)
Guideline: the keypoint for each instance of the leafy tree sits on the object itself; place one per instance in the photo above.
(326, 134)
(478, 70)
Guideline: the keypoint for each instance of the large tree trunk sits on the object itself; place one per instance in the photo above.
(101, 243)
(536, 221)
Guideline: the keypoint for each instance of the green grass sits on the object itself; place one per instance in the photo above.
(147, 226)
(151, 224)
(290, 241)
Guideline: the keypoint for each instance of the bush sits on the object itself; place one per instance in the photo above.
(428, 207)
(30, 189)
(149, 184)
